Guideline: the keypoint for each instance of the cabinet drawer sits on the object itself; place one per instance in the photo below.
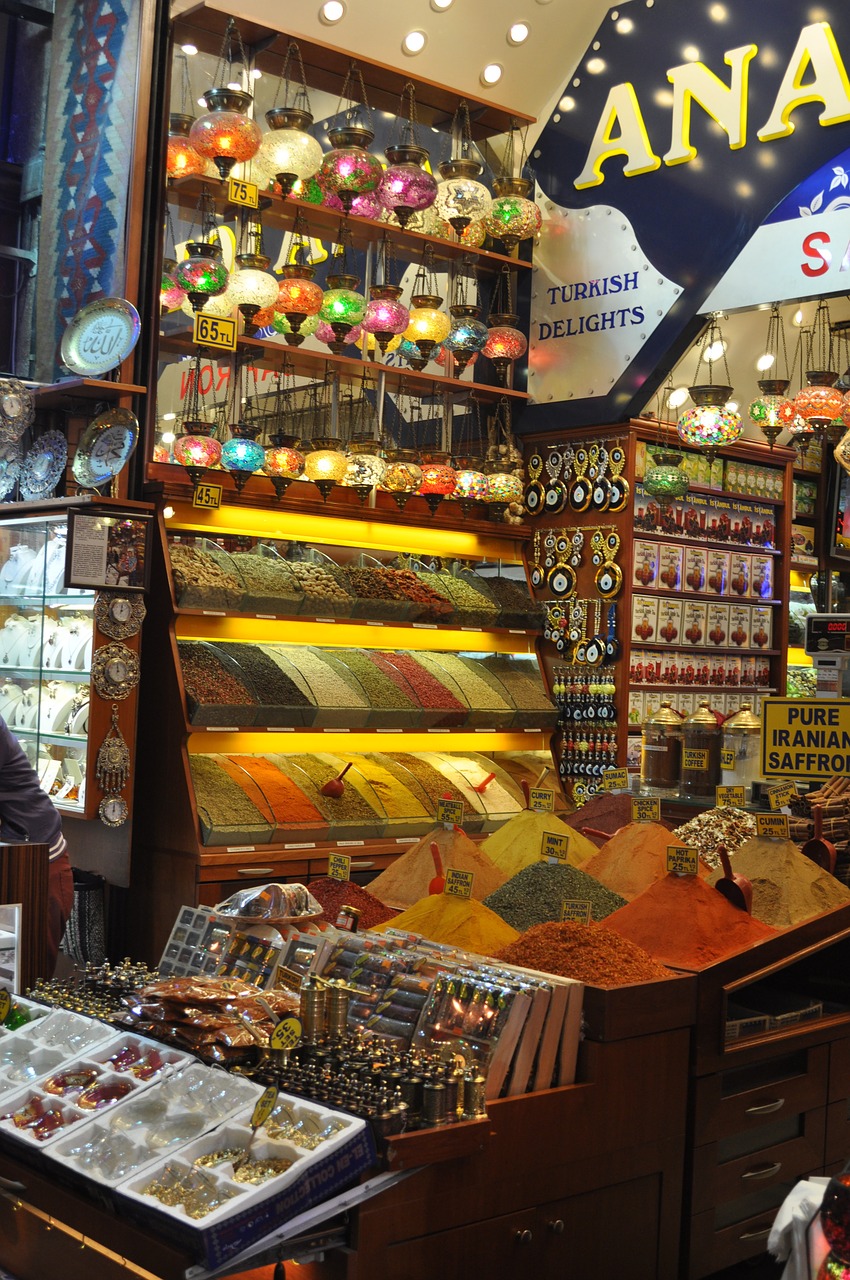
(717, 1179)
(839, 1070)
(715, 1244)
(744, 1098)
(837, 1144)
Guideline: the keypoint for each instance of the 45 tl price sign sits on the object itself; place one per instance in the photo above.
(214, 331)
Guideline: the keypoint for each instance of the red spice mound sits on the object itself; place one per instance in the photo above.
(334, 894)
(587, 952)
(634, 858)
(686, 924)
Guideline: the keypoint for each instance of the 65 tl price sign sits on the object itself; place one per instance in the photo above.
(214, 331)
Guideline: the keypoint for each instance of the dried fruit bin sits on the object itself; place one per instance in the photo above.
(473, 606)
(216, 693)
(280, 700)
(518, 609)
(204, 576)
(520, 678)
(438, 706)
(252, 1211)
(341, 701)
(270, 586)
(323, 584)
(293, 815)
(232, 809)
(377, 594)
(407, 815)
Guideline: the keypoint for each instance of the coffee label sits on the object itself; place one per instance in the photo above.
(694, 758)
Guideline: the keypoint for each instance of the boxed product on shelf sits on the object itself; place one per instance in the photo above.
(670, 664)
(645, 564)
(748, 670)
(644, 618)
(696, 559)
(761, 626)
(695, 668)
(717, 671)
(734, 702)
(636, 666)
(652, 700)
(717, 572)
(670, 621)
(686, 703)
(739, 625)
(636, 711)
(654, 663)
(761, 577)
(694, 621)
(805, 497)
(740, 570)
(803, 544)
(670, 564)
(717, 623)
(734, 666)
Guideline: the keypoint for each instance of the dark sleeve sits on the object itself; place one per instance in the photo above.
(26, 812)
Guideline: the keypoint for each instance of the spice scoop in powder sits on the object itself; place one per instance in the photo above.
(787, 887)
(409, 877)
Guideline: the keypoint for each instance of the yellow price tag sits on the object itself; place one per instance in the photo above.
(727, 757)
(542, 799)
(773, 825)
(682, 861)
(265, 1105)
(286, 1034)
(339, 866)
(5, 1003)
(615, 780)
(555, 844)
(459, 883)
(450, 812)
(576, 911)
(729, 797)
(780, 796)
(241, 192)
(214, 331)
(646, 809)
(207, 496)
(694, 758)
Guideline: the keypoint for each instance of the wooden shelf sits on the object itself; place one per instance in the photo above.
(325, 224)
(710, 596)
(681, 541)
(56, 394)
(731, 495)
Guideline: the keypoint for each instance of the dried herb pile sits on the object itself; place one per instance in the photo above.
(537, 894)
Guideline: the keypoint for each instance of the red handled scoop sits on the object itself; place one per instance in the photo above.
(482, 786)
(822, 852)
(438, 883)
(735, 889)
(334, 787)
(526, 791)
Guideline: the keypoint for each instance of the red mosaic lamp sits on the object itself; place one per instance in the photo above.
(227, 134)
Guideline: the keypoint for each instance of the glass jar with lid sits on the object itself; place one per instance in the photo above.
(702, 738)
(742, 737)
(661, 752)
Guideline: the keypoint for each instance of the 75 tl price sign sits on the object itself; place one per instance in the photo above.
(214, 331)
(241, 192)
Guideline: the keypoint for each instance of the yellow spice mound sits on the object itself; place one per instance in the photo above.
(519, 842)
(634, 858)
(407, 880)
(457, 922)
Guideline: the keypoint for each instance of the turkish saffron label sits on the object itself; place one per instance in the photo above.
(694, 758)
(542, 799)
(339, 866)
(773, 825)
(682, 861)
(576, 911)
(450, 812)
(646, 809)
(555, 844)
(729, 797)
(458, 883)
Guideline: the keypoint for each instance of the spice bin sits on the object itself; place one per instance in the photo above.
(742, 736)
(702, 738)
(661, 753)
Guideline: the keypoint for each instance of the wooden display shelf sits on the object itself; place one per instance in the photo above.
(689, 648)
(710, 596)
(56, 394)
(325, 223)
(743, 548)
(732, 495)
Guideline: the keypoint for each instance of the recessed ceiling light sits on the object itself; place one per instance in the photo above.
(414, 42)
(440, 5)
(168, 437)
(169, 417)
(167, 513)
(595, 65)
(624, 26)
(567, 103)
(716, 350)
(765, 362)
(690, 53)
(331, 12)
(189, 49)
(235, 85)
(519, 33)
(492, 73)
(256, 73)
(797, 317)
(677, 397)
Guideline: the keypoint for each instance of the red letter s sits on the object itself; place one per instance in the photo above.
(822, 257)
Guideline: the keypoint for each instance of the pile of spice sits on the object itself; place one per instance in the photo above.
(290, 806)
(333, 894)
(518, 609)
(787, 886)
(428, 691)
(686, 924)
(519, 843)
(398, 801)
(200, 580)
(707, 831)
(538, 892)
(431, 604)
(523, 685)
(408, 878)
(478, 692)
(323, 594)
(435, 785)
(282, 701)
(214, 692)
(378, 593)
(351, 809)
(499, 794)
(269, 584)
(590, 953)
(405, 777)
(472, 607)
(634, 858)
(223, 805)
(383, 693)
(603, 814)
(330, 683)
(455, 922)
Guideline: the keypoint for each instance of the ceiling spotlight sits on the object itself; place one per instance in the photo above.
(677, 397)
(414, 42)
(764, 362)
(595, 65)
(331, 12)
(797, 317)
(256, 73)
(169, 417)
(492, 73)
(189, 49)
(715, 351)
(624, 26)
(519, 33)
(440, 5)
(567, 103)
(168, 437)
(690, 53)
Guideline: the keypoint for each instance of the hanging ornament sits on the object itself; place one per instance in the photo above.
(428, 325)
(284, 462)
(402, 476)
(171, 294)
(820, 403)
(468, 334)
(202, 273)
(467, 446)
(367, 342)
(710, 424)
(326, 464)
(196, 448)
(112, 768)
(461, 198)
(349, 169)
(503, 468)
(241, 455)
(293, 338)
(386, 316)
(252, 286)
(471, 237)
(181, 158)
(763, 412)
(288, 153)
(438, 478)
(406, 187)
(226, 134)
(413, 355)
(663, 477)
(513, 216)
(505, 343)
(342, 306)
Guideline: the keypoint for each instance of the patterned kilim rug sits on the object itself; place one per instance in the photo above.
(89, 134)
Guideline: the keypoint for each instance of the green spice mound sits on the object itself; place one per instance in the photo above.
(589, 953)
(537, 894)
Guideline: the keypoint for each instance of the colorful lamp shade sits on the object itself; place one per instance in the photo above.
(468, 335)
(406, 186)
(171, 294)
(226, 134)
(385, 315)
(438, 479)
(819, 403)
(220, 305)
(428, 325)
(763, 412)
(326, 334)
(288, 153)
(365, 467)
(342, 307)
(505, 344)
(365, 205)
(298, 295)
(202, 273)
(196, 449)
(512, 215)
(284, 462)
(253, 286)
(181, 158)
(473, 235)
(709, 424)
(326, 464)
(503, 487)
(664, 479)
(349, 169)
(413, 355)
(241, 455)
(402, 476)
(294, 337)
(461, 198)
(470, 483)
(369, 342)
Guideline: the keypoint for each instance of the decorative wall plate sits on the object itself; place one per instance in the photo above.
(117, 615)
(17, 409)
(43, 466)
(105, 446)
(101, 335)
(114, 671)
(11, 457)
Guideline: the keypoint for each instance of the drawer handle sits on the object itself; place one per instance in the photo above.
(763, 1170)
(556, 1226)
(361, 866)
(524, 1237)
(255, 871)
(6, 1184)
(766, 1107)
(758, 1234)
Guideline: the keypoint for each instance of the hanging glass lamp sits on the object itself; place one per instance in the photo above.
(664, 479)
(253, 286)
(438, 478)
(241, 455)
(470, 483)
(513, 216)
(288, 152)
(202, 273)
(325, 464)
(503, 488)
(764, 411)
(342, 308)
(468, 335)
(294, 337)
(171, 294)
(196, 449)
(226, 134)
(402, 476)
(819, 403)
(284, 462)
(385, 315)
(181, 158)
(298, 295)
(709, 424)
(406, 186)
(505, 344)
(365, 467)
(461, 198)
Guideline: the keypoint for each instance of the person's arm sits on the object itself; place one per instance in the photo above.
(27, 813)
